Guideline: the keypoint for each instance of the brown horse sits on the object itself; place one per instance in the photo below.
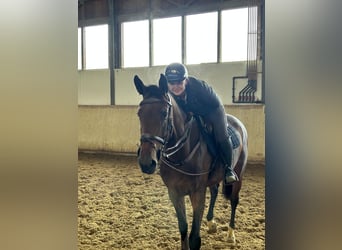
(173, 139)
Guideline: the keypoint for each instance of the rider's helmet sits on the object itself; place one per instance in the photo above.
(176, 72)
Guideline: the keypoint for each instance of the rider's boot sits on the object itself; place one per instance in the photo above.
(226, 155)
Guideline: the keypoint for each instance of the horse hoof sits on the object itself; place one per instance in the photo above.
(231, 241)
(231, 236)
(212, 226)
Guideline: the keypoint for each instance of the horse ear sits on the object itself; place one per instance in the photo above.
(163, 83)
(139, 85)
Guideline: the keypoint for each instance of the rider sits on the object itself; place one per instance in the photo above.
(198, 97)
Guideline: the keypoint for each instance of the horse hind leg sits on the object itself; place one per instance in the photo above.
(231, 192)
(234, 201)
(212, 226)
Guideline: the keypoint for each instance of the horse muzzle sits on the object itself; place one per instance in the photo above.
(150, 168)
(147, 159)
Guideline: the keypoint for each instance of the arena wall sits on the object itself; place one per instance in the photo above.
(116, 128)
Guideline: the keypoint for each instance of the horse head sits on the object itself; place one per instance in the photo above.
(154, 117)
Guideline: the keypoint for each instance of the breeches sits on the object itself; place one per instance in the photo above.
(217, 119)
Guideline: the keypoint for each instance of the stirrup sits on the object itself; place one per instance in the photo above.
(230, 179)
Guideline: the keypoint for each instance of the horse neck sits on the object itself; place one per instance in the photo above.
(179, 119)
(185, 134)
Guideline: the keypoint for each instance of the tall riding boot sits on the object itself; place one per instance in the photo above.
(226, 155)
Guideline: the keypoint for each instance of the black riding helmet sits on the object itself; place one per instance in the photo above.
(176, 72)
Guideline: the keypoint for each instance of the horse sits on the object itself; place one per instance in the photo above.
(173, 140)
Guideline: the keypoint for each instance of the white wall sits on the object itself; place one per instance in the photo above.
(94, 85)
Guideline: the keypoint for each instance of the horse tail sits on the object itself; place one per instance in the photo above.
(227, 191)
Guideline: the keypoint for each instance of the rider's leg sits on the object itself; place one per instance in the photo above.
(226, 155)
(219, 122)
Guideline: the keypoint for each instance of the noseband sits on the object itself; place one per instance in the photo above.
(151, 139)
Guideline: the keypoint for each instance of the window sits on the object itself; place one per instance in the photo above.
(79, 49)
(167, 40)
(252, 45)
(239, 40)
(234, 35)
(135, 44)
(201, 38)
(96, 46)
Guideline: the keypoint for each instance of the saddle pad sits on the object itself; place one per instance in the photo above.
(233, 136)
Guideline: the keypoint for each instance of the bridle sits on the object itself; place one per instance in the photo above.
(166, 152)
(145, 137)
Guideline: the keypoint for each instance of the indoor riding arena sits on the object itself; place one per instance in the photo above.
(221, 43)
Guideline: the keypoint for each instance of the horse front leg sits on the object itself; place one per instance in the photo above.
(179, 205)
(212, 226)
(198, 204)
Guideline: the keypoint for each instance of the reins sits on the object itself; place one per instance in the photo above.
(167, 152)
(175, 166)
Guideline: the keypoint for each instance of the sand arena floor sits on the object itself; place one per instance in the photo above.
(119, 207)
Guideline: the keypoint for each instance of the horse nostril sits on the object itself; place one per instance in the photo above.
(154, 164)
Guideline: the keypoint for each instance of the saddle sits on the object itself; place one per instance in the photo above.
(208, 136)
